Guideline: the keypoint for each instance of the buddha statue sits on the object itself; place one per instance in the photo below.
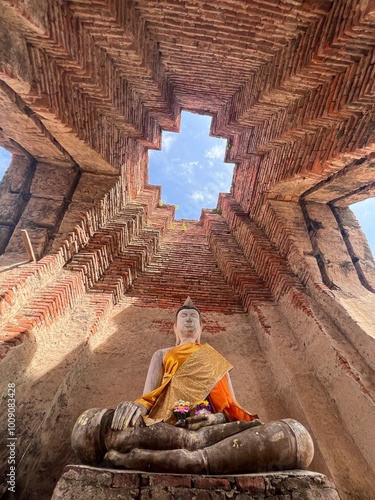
(162, 431)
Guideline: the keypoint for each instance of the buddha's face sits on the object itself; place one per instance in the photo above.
(188, 326)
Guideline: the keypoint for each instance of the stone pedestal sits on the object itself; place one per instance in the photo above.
(82, 482)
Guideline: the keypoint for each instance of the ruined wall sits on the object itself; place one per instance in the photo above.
(281, 270)
(80, 326)
(322, 339)
(111, 484)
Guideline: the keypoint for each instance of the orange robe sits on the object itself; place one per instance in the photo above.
(202, 377)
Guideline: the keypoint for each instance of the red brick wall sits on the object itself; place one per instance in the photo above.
(290, 85)
(76, 479)
(184, 265)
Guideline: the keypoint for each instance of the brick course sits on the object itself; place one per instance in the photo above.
(290, 484)
(85, 91)
(86, 255)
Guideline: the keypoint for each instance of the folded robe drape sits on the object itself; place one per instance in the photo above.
(193, 372)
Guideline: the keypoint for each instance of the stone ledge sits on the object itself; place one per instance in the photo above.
(81, 482)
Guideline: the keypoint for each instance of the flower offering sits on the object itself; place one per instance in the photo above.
(202, 407)
(181, 409)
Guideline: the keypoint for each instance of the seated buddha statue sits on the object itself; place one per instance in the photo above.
(162, 431)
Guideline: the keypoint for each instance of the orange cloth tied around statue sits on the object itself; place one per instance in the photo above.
(193, 372)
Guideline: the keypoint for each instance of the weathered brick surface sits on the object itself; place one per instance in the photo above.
(334, 259)
(357, 246)
(50, 292)
(287, 83)
(170, 481)
(258, 249)
(294, 97)
(126, 481)
(11, 208)
(93, 187)
(34, 196)
(285, 226)
(87, 87)
(38, 236)
(104, 255)
(232, 262)
(5, 234)
(291, 484)
(22, 131)
(42, 212)
(212, 483)
(251, 484)
(18, 175)
(52, 181)
(184, 266)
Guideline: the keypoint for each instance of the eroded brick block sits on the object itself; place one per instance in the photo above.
(171, 481)
(126, 480)
(42, 211)
(11, 207)
(52, 181)
(5, 234)
(251, 484)
(93, 187)
(38, 237)
(16, 178)
(212, 483)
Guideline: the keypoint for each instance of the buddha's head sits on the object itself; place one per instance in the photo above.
(188, 325)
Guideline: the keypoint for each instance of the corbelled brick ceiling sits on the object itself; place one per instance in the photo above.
(289, 83)
(86, 88)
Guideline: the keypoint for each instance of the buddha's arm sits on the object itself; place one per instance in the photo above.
(129, 413)
(155, 371)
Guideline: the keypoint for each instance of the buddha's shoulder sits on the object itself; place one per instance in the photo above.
(160, 353)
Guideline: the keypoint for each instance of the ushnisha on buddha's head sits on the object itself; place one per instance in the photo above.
(188, 325)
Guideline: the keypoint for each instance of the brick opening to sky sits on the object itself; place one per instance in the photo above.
(190, 167)
(191, 170)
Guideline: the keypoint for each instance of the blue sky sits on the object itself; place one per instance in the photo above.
(5, 158)
(190, 167)
(365, 213)
(191, 170)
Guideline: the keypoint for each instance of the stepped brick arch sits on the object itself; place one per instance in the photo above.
(281, 269)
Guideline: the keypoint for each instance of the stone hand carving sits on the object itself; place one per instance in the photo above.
(196, 422)
(128, 414)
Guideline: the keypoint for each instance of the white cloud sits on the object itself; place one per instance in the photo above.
(167, 141)
(197, 196)
(223, 180)
(205, 196)
(187, 169)
(191, 172)
(217, 151)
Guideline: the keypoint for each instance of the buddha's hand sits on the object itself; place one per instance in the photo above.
(197, 421)
(128, 414)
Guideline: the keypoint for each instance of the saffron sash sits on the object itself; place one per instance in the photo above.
(193, 380)
(193, 372)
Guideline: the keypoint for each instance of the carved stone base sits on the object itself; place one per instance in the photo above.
(82, 482)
